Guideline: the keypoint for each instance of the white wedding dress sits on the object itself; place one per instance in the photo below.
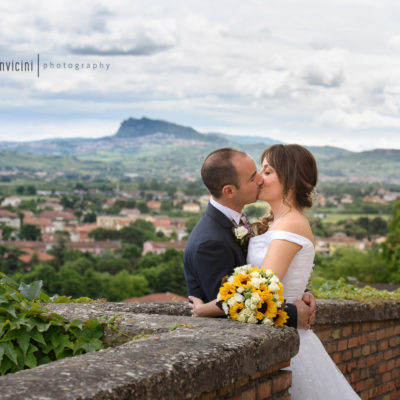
(314, 375)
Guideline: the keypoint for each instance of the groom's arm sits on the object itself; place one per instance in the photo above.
(291, 310)
(212, 261)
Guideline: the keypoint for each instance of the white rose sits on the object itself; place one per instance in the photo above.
(274, 279)
(230, 279)
(255, 274)
(241, 232)
(241, 317)
(218, 296)
(255, 297)
(225, 308)
(267, 321)
(255, 282)
(231, 302)
(273, 287)
(275, 297)
(238, 297)
(240, 289)
(252, 319)
(279, 304)
(250, 305)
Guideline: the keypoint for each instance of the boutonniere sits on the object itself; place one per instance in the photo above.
(243, 233)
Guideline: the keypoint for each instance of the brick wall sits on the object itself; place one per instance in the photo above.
(365, 345)
(269, 384)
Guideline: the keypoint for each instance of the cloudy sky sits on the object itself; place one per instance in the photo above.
(311, 72)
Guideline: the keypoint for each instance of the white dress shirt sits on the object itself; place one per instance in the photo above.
(232, 215)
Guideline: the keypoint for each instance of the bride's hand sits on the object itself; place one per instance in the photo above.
(195, 305)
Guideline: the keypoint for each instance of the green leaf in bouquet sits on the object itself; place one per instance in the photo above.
(1, 354)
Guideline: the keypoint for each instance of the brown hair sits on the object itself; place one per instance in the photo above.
(218, 171)
(297, 170)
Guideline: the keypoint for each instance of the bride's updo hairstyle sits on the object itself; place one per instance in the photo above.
(297, 172)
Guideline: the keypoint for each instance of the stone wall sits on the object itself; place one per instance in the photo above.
(177, 357)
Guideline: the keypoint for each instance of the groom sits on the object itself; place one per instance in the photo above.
(211, 251)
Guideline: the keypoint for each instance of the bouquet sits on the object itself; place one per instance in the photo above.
(253, 295)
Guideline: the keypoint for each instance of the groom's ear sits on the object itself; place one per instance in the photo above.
(228, 191)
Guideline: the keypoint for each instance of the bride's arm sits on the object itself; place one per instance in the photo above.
(201, 309)
(279, 256)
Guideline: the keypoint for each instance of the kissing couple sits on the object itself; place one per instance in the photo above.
(284, 244)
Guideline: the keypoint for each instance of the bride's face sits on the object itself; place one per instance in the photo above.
(272, 189)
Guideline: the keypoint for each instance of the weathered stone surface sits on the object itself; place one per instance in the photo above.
(347, 311)
(182, 358)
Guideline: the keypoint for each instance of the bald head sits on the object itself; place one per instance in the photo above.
(218, 170)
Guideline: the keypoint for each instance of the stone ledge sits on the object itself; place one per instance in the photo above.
(199, 356)
(348, 311)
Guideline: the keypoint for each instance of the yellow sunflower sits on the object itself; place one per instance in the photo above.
(280, 291)
(281, 318)
(235, 310)
(241, 280)
(227, 291)
(269, 308)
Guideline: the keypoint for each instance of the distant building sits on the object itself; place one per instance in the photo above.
(81, 233)
(31, 254)
(329, 245)
(374, 199)
(130, 212)
(160, 247)
(45, 224)
(191, 207)
(95, 248)
(154, 205)
(156, 297)
(113, 221)
(53, 206)
(12, 201)
(9, 218)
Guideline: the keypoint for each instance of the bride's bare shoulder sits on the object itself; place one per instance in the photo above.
(296, 222)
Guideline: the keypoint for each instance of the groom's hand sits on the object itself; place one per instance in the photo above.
(195, 305)
(309, 299)
(303, 314)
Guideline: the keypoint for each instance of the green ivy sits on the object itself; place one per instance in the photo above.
(31, 334)
(338, 290)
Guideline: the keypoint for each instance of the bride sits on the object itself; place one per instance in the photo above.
(285, 245)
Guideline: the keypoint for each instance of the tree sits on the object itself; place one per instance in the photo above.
(30, 232)
(20, 190)
(89, 217)
(391, 247)
(30, 190)
(123, 285)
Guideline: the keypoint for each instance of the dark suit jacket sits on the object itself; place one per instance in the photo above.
(211, 253)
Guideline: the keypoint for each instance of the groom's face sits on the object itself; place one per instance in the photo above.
(250, 181)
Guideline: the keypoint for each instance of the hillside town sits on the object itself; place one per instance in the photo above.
(52, 216)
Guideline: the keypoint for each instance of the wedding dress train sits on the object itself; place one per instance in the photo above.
(314, 375)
